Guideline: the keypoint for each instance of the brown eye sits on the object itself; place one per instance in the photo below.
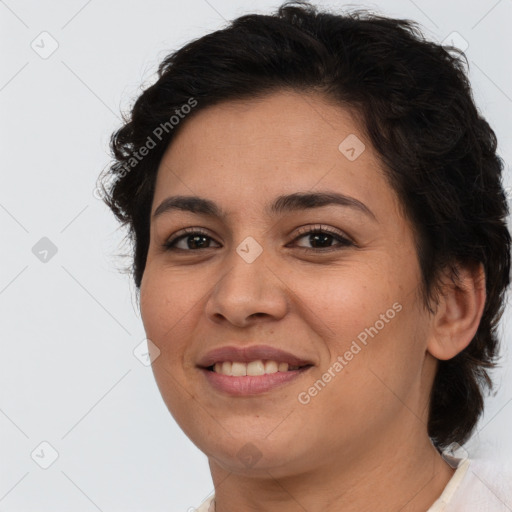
(194, 239)
(321, 239)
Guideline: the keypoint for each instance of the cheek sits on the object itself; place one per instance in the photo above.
(166, 295)
(167, 306)
(344, 301)
(369, 321)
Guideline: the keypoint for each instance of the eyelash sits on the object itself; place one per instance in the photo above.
(344, 242)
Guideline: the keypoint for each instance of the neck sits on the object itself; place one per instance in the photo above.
(401, 475)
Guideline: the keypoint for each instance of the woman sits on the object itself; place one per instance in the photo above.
(321, 251)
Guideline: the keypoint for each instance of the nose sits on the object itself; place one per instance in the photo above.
(247, 293)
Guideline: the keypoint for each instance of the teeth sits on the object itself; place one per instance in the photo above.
(254, 368)
(238, 369)
(284, 367)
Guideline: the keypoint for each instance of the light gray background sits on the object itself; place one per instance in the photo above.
(68, 375)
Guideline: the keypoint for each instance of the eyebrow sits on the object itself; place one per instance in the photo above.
(282, 204)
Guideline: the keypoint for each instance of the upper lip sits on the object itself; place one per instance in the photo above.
(248, 354)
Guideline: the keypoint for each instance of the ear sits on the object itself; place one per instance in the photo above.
(458, 314)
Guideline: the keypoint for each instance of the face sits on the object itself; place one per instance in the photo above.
(344, 299)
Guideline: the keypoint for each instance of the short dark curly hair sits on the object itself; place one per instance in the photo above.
(415, 102)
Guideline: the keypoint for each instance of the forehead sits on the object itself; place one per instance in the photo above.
(248, 152)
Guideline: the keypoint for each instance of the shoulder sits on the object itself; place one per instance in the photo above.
(485, 487)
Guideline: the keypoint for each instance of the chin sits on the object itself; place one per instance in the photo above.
(255, 455)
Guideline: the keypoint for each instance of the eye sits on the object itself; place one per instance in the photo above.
(193, 239)
(323, 236)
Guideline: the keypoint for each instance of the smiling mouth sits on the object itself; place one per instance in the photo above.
(254, 368)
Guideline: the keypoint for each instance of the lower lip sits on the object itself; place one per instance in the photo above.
(251, 385)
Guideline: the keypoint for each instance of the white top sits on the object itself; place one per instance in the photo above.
(476, 486)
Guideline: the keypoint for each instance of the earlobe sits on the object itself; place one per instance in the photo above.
(458, 315)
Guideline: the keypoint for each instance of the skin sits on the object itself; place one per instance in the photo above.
(361, 443)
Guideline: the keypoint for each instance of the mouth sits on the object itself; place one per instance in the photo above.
(250, 370)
